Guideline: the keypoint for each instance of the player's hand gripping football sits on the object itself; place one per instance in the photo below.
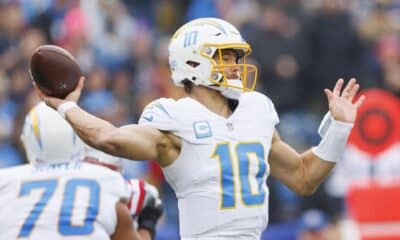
(55, 102)
(341, 103)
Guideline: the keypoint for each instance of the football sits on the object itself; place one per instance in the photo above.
(54, 70)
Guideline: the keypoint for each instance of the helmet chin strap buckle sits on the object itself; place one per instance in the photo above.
(218, 77)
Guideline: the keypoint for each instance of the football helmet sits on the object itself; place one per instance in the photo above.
(48, 138)
(193, 50)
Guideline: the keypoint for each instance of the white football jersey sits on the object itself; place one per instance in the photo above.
(220, 175)
(59, 201)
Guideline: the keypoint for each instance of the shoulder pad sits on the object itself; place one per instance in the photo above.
(264, 102)
(160, 114)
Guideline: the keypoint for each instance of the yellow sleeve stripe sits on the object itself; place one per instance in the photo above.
(35, 125)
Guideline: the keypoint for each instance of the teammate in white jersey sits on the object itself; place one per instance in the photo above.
(218, 145)
(58, 196)
(143, 202)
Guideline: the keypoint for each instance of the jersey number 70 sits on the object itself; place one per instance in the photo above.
(65, 226)
(250, 182)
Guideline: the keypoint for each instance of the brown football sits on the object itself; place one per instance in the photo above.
(54, 70)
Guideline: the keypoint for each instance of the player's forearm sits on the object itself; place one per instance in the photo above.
(91, 129)
(314, 171)
(320, 160)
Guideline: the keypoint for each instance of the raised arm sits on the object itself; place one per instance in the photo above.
(131, 141)
(304, 172)
(300, 172)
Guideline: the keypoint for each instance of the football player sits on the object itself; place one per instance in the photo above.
(143, 202)
(218, 145)
(57, 195)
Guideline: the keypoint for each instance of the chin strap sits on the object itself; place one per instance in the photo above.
(229, 91)
(232, 92)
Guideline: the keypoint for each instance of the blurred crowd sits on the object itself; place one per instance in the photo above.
(299, 46)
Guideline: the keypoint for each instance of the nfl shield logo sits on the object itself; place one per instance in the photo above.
(230, 126)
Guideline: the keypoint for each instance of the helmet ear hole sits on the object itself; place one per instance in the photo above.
(193, 64)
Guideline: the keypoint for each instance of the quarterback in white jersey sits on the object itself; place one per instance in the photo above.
(218, 145)
(58, 196)
(220, 175)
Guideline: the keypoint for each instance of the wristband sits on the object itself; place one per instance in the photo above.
(334, 141)
(325, 123)
(64, 107)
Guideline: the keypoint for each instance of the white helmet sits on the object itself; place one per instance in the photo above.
(191, 53)
(47, 137)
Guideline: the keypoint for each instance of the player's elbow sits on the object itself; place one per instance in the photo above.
(306, 188)
(307, 191)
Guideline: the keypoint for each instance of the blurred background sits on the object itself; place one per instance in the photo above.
(299, 46)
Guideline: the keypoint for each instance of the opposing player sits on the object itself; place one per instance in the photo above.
(218, 145)
(58, 196)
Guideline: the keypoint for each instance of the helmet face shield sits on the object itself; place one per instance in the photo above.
(222, 73)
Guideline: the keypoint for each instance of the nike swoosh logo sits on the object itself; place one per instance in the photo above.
(148, 118)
